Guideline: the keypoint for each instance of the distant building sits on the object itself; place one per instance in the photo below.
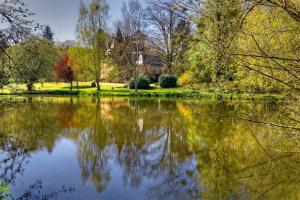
(148, 62)
(66, 43)
(152, 65)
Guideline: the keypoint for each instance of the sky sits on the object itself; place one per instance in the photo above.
(61, 15)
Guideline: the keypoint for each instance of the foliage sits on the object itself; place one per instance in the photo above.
(143, 82)
(167, 81)
(91, 33)
(113, 73)
(213, 44)
(4, 78)
(269, 50)
(93, 84)
(4, 191)
(64, 70)
(34, 59)
(80, 61)
(187, 78)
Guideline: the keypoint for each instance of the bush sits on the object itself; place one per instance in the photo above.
(167, 81)
(187, 79)
(143, 82)
(93, 84)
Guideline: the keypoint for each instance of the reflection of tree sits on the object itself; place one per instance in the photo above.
(12, 160)
(93, 154)
(65, 113)
(161, 140)
(33, 125)
(246, 159)
(144, 143)
(35, 192)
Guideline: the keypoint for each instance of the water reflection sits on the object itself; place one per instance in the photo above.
(157, 149)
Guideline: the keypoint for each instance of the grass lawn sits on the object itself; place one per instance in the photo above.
(110, 89)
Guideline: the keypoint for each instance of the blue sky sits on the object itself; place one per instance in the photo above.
(61, 15)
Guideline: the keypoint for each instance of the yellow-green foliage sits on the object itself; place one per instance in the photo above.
(271, 33)
(187, 78)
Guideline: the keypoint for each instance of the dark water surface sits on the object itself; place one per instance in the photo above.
(88, 148)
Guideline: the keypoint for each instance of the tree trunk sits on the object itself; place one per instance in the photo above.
(71, 83)
(98, 84)
(77, 84)
(29, 86)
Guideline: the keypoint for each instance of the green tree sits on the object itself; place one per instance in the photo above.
(79, 58)
(34, 58)
(213, 43)
(91, 26)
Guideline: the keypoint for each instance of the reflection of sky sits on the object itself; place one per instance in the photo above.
(60, 168)
(61, 15)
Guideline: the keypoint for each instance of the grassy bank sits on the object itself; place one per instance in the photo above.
(121, 90)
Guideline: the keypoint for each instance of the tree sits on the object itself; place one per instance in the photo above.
(182, 35)
(48, 34)
(119, 36)
(91, 33)
(15, 14)
(64, 70)
(33, 60)
(4, 77)
(132, 25)
(214, 41)
(15, 23)
(170, 33)
(80, 62)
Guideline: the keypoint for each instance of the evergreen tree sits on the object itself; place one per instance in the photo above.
(48, 34)
(119, 36)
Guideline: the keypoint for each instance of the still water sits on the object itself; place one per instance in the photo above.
(88, 148)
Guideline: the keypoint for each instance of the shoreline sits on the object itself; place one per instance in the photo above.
(154, 94)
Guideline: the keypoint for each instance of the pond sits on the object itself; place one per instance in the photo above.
(118, 148)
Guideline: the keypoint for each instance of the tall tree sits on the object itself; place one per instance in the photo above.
(132, 26)
(48, 34)
(91, 33)
(182, 36)
(164, 20)
(213, 43)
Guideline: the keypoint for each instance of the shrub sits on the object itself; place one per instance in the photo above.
(143, 82)
(167, 81)
(186, 79)
(93, 84)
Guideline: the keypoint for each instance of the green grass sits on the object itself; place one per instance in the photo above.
(121, 90)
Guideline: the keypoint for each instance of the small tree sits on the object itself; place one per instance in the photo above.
(64, 71)
(79, 60)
